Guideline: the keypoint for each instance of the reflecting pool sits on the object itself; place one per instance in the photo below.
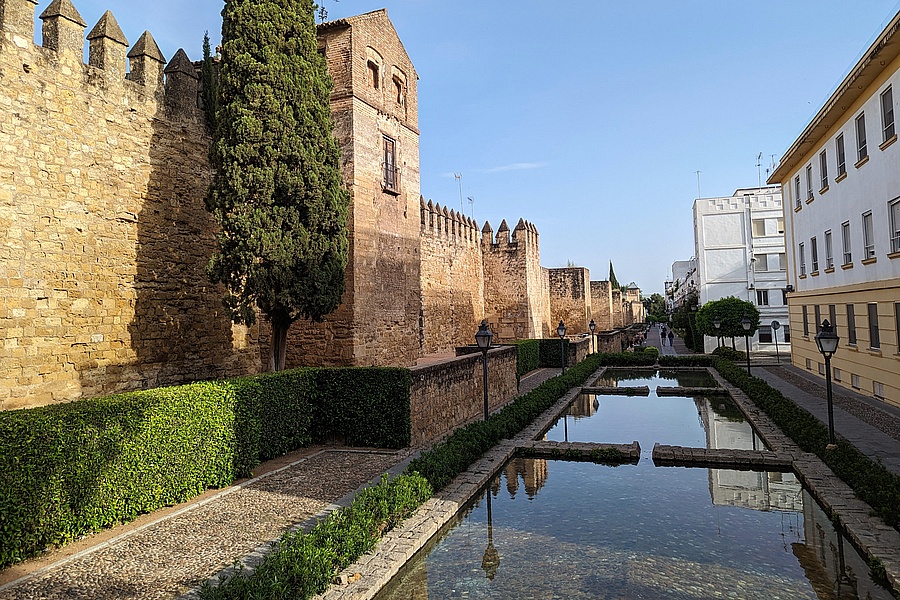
(554, 529)
(655, 377)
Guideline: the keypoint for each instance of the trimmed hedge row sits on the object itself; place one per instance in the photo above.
(74, 468)
(528, 356)
(550, 349)
(871, 481)
(303, 564)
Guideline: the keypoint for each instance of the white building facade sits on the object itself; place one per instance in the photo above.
(740, 251)
(684, 282)
(842, 187)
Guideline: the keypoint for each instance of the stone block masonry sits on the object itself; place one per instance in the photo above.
(105, 237)
(570, 298)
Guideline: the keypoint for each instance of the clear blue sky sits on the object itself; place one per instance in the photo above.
(590, 118)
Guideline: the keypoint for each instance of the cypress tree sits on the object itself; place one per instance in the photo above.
(613, 282)
(208, 84)
(277, 193)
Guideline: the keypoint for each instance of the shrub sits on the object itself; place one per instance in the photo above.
(303, 564)
(74, 468)
(528, 356)
(685, 361)
(729, 353)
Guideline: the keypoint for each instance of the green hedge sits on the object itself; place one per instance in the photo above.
(686, 361)
(729, 353)
(528, 356)
(871, 481)
(550, 356)
(74, 468)
(303, 564)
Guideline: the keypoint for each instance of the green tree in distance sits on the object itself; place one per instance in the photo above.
(729, 312)
(613, 282)
(277, 194)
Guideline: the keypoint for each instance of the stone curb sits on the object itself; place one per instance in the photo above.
(690, 391)
(681, 456)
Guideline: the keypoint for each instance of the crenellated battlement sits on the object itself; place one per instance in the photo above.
(60, 58)
(437, 221)
(524, 236)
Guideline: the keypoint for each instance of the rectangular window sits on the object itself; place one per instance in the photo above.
(797, 198)
(887, 114)
(878, 390)
(861, 150)
(897, 323)
(837, 373)
(782, 261)
(814, 254)
(779, 225)
(868, 235)
(832, 316)
(802, 260)
(809, 182)
(841, 158)
(759, 227)
(845, 242)
(851, 325)
(823, 168)
(854, 380)
(760, 263)
(787, 334)
(829, 252)
(874, 340)
(784, 299)
(894, 217)
(818, 321)
(765, 334)
(805, 320)
(762, 297)
(391, 173)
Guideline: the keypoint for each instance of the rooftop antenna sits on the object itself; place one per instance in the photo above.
(698, 185)
(459, 183)
(472, 206)
(758, 171)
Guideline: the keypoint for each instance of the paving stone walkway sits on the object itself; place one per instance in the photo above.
(174, 551)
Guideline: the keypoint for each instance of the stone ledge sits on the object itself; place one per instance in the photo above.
(691, 391)
(617, 391)
(630, 453)
(681, 456)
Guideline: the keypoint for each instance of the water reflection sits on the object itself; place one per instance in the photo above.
(639, 531)
(654, 377)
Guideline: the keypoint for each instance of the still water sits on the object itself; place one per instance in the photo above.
(554, 529)
(655, 377)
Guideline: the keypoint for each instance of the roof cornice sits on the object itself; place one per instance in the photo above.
(882, 52)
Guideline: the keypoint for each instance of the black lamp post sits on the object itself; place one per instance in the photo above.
(718, 325)
(561, 332)
(827, 341)
(490, 562)
(592, 326)
(775, 327)
(745, 323)
(483, 339)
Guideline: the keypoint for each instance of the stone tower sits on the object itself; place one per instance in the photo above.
(375, 112)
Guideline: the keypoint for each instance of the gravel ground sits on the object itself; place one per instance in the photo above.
(171, 556)
(856, 407)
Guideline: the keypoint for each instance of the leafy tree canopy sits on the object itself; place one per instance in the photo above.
(730, 312)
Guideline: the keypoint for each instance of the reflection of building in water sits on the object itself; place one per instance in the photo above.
(833, 567)
(756, 490)
(584, 405)
(533, 471)
(725, 425)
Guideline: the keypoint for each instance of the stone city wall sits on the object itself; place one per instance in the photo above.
(513, 302)
(601, 305)
(378, 322)
(105, 236)
(452, 273)
(570, 298)
(449, 394)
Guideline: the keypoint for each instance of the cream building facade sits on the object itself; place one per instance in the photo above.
(842, 213)
(740, 250)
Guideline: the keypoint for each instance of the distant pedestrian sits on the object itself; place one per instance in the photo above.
(662, 336)
(671, 338)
